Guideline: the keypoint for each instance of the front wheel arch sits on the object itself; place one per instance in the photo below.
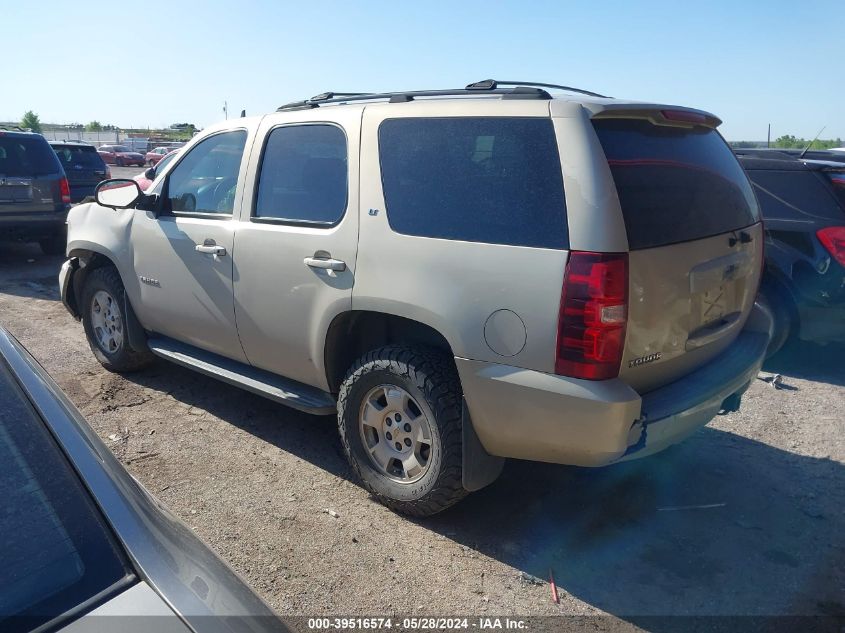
(91, 261)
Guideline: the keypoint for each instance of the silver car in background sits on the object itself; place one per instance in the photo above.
(81, 539)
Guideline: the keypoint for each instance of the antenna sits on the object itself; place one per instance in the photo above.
(813, 141)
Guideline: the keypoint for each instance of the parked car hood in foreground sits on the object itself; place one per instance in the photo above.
(165, 552)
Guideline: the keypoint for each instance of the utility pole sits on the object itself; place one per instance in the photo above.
(226, 110)
(769, 136)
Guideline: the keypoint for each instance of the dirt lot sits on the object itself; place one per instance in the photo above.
(254, 479)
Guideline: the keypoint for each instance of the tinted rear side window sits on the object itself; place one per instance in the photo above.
(480, 179)
(674, 184)
(787, 194)
(27, 156)
(55, 550)
(303, 175)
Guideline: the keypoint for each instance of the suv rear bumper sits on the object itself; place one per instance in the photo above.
(32, 224)
(531, 415)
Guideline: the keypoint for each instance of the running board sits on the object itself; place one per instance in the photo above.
(283, 390)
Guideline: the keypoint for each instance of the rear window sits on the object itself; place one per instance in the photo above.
(55, 550)
(477, 179)
(72, 155)
(26, 156)
(783, 194)
(675, 184)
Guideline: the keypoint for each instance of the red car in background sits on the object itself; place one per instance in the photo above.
(156, 155)
(120, 155)
(145, 179)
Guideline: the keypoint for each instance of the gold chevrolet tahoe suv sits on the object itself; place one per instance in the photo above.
(504, 270)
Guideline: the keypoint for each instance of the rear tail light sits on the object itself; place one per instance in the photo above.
(833, 239)
(837, 178)
(64, 188)
(593, 316)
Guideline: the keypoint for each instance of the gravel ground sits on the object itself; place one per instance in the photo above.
(255, 480)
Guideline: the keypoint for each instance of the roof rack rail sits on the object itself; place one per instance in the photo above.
(492, 84)
(518, 92)
(15, 128)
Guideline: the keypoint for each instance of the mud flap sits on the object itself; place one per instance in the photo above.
(134, 331)
(480, 469)
(69, 287)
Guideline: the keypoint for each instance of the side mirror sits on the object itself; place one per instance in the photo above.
(118, 193)
(150, 174)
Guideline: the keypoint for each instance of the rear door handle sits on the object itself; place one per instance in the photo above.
(211, 248)
(325, 263)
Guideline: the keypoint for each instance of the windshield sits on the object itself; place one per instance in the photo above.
(164, 162)
(120, 148)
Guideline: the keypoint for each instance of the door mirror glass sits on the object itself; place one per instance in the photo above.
(118, 193)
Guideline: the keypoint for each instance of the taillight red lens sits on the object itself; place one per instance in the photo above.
(64, 188)
(837, 178)
(593, 315)
(833, 239)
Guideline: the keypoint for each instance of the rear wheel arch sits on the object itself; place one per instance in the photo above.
(354, 333)
(776, 290)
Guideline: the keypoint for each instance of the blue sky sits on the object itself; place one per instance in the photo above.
(151, 63)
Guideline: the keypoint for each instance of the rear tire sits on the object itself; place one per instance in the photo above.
(104, 320)
(422, 386)
(55, 244)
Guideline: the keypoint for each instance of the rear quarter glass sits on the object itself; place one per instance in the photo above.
(495, 180)
(675, 184)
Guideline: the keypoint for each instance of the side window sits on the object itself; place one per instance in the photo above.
(206, 178)
(303, 175)
(476, 179)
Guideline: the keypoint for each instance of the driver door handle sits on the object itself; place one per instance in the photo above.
(326, 263)
(211, 248)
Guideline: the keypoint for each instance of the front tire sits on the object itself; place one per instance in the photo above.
(104, 320)
(399, 417)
